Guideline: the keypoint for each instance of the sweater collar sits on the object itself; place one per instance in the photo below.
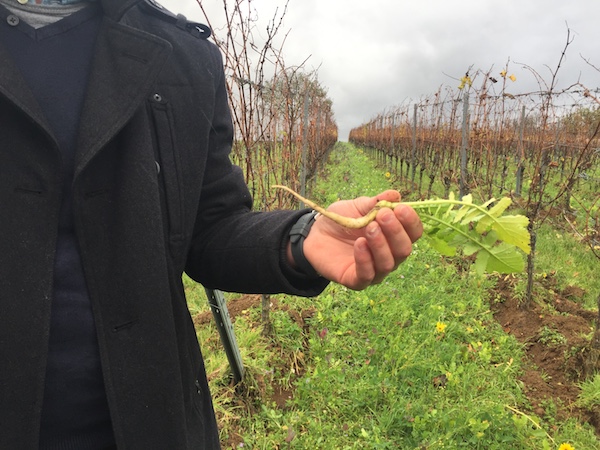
(112, 8)
(53, 2)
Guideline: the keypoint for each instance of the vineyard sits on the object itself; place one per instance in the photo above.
(476, 139)
(435, 357)
(535, 336)
(538, 148)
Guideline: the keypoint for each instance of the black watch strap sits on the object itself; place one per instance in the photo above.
(298, 234)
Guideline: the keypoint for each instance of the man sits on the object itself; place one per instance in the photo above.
(115, 179)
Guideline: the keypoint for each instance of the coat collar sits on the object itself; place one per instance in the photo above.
(125, 66)
(126, 63)
(116, 8)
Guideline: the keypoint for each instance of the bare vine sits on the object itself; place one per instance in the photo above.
(265, 97)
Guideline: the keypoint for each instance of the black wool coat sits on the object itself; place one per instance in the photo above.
(154, 195)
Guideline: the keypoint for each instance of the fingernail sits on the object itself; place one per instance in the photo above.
(404, 213)
(373, 229)
(363, 246)
(387, 217)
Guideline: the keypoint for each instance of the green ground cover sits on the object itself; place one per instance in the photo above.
(417, 362)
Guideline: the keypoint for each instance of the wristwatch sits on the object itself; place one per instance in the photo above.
(298, 234)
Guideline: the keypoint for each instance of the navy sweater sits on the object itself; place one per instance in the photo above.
(56, 61)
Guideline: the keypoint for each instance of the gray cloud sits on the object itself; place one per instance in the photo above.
(374, 55)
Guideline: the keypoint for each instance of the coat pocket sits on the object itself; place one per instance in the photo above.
(168, 166)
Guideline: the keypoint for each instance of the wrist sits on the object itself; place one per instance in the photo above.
(295, 248)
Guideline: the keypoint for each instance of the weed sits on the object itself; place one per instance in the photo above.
(589, 397)
(550, 337)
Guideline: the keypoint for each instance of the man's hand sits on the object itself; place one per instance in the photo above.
(360, 258)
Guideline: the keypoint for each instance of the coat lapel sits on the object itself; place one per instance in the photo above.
(14, 87)
(125, 66)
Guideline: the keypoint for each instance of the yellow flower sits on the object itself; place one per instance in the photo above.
(512, 78)
(566, 447)
(387, 174)
(503, 73)
(440, 327)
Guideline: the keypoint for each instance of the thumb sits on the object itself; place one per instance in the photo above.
(390, 195)
(366, 204)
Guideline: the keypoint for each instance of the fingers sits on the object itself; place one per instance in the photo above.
(406, 215)
(366, 204)
(387, 243)
(362, 257)
(364, 263)
(390, 195)
(373, 256)
(410, 222)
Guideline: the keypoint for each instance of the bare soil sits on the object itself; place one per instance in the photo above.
(554, 365)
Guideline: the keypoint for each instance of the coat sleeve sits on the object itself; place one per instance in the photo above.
(233, 248)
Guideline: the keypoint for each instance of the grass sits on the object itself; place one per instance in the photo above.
(590, 393)
(574, 263)
(417, 362)
(392, 365)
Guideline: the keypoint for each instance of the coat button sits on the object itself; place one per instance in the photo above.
(12, 20)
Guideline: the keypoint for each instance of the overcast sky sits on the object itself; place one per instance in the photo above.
(373, 55)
